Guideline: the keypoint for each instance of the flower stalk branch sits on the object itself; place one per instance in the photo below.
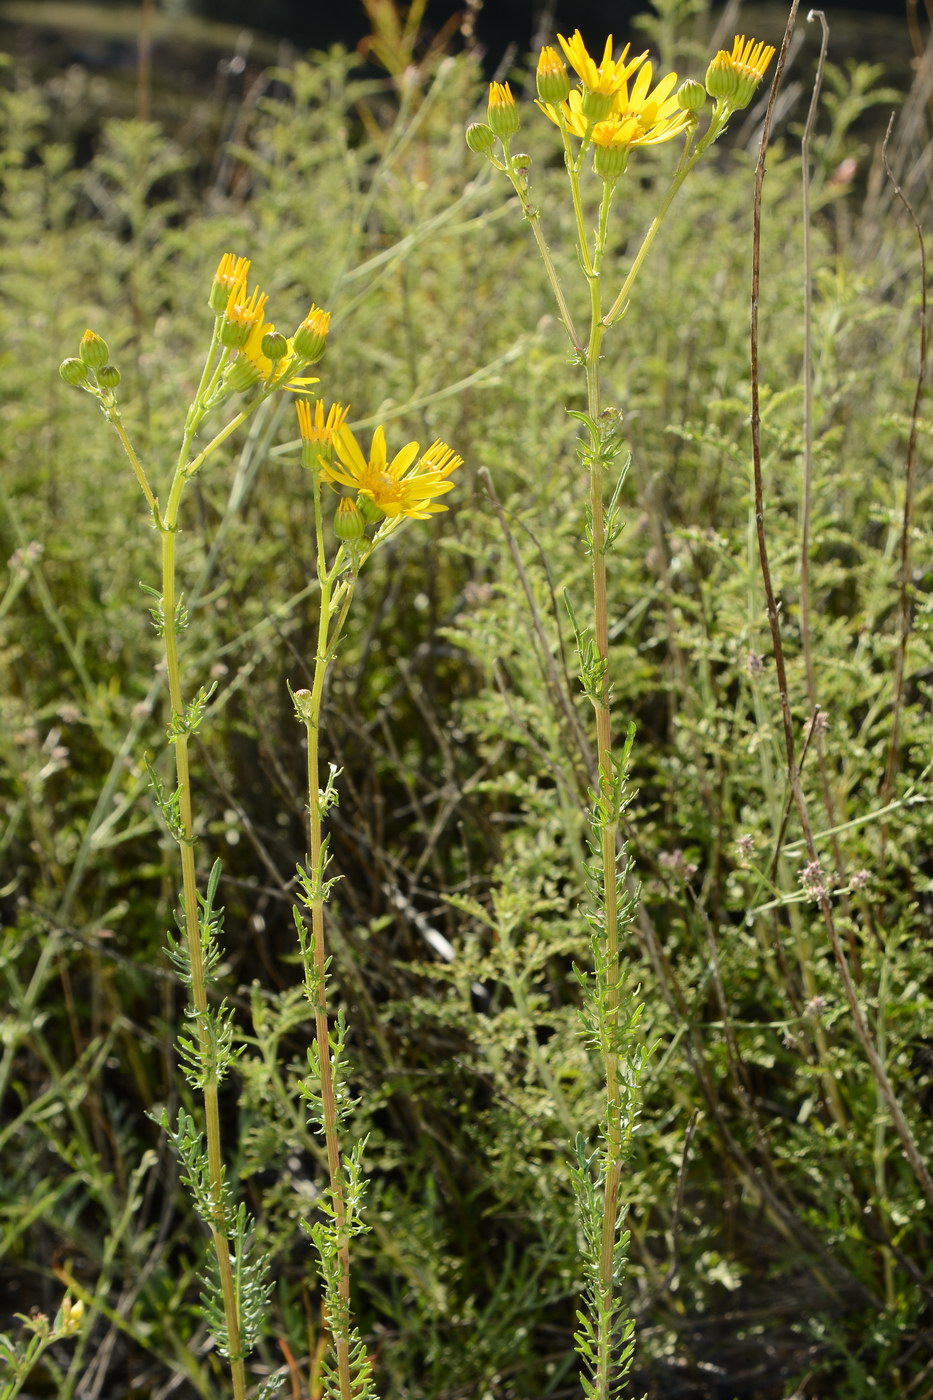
(615, 110)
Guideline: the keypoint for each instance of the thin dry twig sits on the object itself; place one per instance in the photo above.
(910, 491)
(806, 631)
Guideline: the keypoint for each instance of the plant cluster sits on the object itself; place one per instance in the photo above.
(723, 1166)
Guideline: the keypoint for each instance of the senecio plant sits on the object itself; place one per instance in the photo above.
(616, 109)
(247, 363)
(19, 1359)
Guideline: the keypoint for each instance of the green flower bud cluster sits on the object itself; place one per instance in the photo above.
(92, 359)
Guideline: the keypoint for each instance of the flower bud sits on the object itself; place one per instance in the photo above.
(310, 339)
(274, 346)
(73, 371)
(242, 375)
(552, 78)
(71, 1315)
(734, 78)
(722, 80)
(596, 106)
(348, 522)
(691, 96)
(108, 376)
(370, 511)
(241, 316)
(303, 700)
(480, 138)
(231, 271)
(502, 113)
(93, 350)
(609, 158)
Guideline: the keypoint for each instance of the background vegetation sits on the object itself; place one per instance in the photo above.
(780, 1243)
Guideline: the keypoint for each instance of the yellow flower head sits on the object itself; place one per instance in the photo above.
(640, 116)
(311, 336)
(605, 78)
(231, 271)
(71, 1315)
(733, 78)
(317, 429)
(502, 113)
(405, 486)
(242, 315)
(552, 78)
(500, 95)
(319, 434)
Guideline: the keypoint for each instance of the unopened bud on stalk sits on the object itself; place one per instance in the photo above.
(552, 78)
(480, 138)
(734, 78)
(722, 81)
(231, 271)
(274, 345)
(310, 339)
(349, 524)
(73, 371)
(93, 350)
(241, 315)
(71, 1315)
(609, 157)
(596, 106)
(242, 375)
(302, 699)
(691, 95)
(370, 511)
(108, 376)
(502, 113)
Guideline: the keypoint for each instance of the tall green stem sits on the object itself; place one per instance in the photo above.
(327, 638)
(608, 829)
(218, 1225)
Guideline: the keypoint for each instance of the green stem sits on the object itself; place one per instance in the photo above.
(113, 414)
(608, 829)
(209, 374)
(197, 463)
(685, 165)
(573, 175)
(218, 1226)
(533, 215)
(326, 640)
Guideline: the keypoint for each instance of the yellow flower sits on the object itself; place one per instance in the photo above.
(71, 1315)
(502, 113)
(405, 486)
(241, 315)
(231, 271)
(316, 429)
(638, 117)
(311, 336)
(440, 458)
(265, 369)
(733, 78)
(605, 78)
(552, 78)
